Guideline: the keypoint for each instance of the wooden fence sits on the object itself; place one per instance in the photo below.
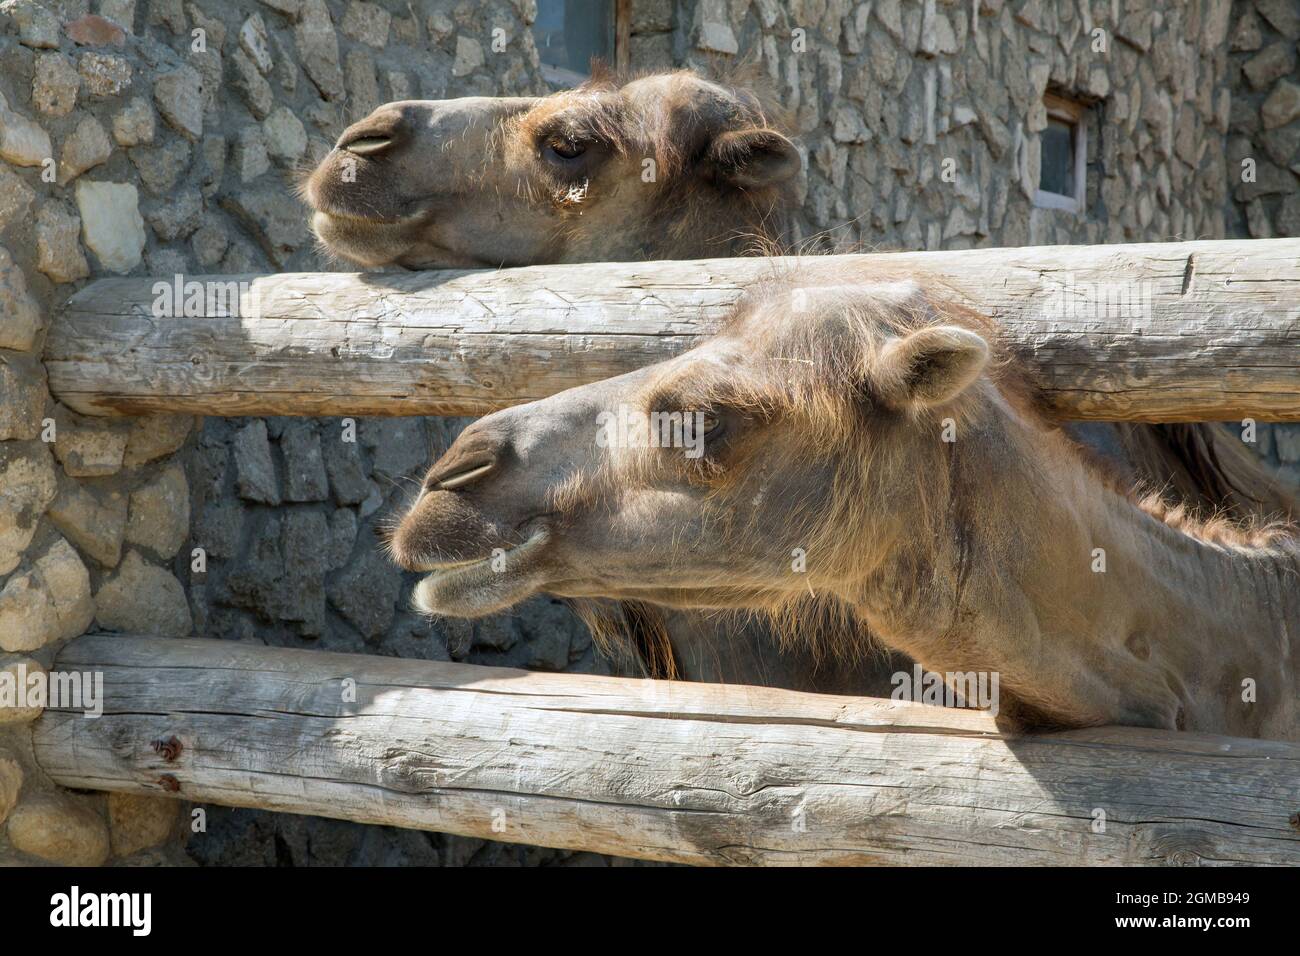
(1192, 331)
(683, 772)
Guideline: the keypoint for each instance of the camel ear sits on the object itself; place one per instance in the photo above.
(931, 366)
(753, 158)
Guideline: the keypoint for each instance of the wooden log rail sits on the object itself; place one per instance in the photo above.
(1160, 332)
(690, 773)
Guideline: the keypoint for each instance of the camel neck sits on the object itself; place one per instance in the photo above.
(1090, 609)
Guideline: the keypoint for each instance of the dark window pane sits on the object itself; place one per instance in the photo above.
(569, 33)
(1058, 158)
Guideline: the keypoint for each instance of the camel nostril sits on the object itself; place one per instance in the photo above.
(367, 145)
(475, 455)
(462, 478)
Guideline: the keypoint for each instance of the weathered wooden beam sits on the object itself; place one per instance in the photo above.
(692, 773)
(1160, 332)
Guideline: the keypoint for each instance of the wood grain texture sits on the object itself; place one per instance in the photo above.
(1159, 332)
(691, 773)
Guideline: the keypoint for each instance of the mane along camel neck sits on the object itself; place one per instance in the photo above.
(882, 440)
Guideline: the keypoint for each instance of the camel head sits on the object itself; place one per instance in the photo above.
(744, 473)
(670, 166)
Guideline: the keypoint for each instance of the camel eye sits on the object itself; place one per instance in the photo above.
(563, 149)
(706, 425)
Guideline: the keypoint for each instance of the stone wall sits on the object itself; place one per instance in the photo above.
(1264, 130)
(155, 137)
(160, 137)
(885, 93)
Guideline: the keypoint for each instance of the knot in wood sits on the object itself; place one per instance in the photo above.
(169, 747)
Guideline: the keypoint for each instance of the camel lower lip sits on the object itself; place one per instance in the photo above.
(482, 585)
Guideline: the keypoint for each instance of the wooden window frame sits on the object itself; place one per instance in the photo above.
(1076, 114)
(559, 76)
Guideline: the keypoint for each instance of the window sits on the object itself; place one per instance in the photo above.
(1062, 181)
(570, 33)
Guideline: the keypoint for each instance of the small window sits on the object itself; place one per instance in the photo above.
(1062, 181)
(571, 33)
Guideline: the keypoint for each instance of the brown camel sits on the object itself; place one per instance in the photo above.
(665, 166)
(1003, 551)
(668, 166)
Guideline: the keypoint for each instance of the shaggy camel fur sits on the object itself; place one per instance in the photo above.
(885, 439)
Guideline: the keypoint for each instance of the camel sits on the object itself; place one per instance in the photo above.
(1005, 550)
(665, 166)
